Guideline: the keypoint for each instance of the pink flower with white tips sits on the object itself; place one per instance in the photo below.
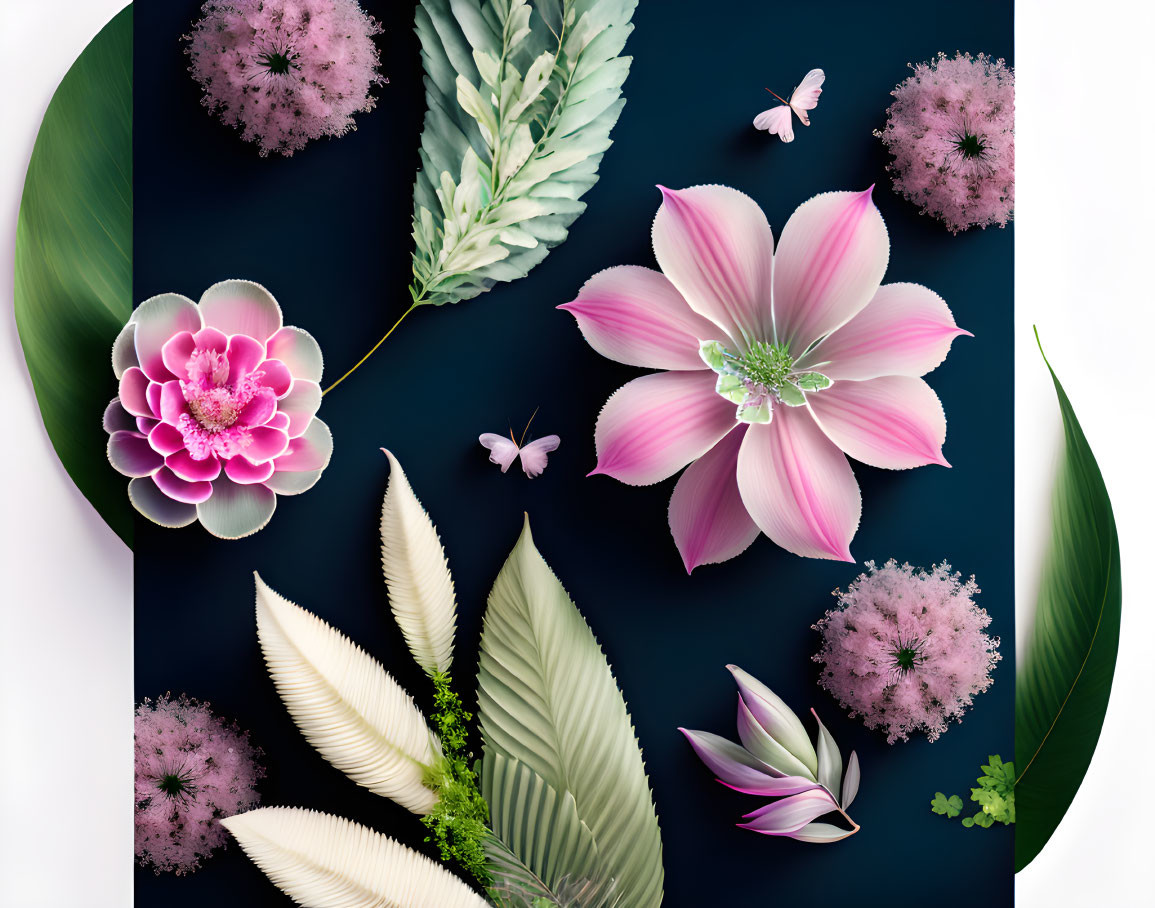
(215, 415)
(780, 363)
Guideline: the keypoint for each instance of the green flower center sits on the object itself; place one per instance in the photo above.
(759, 378)
(970, 146)
(906, 658)
(278, 63)
(176, 785)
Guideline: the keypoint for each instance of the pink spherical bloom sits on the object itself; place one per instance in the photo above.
(192, 769)
(215, 415)
(905, 649)
(285, 71)
(779, 363)
(951, 130)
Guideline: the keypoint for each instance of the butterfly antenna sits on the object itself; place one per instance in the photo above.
(523, 434)
(787, 103)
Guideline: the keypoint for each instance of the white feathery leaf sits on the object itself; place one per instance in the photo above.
(323, 861)
(347, 706)
(416, 574)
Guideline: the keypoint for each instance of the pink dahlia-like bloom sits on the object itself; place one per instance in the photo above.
(906, 650)
(951, 130)
(285, 71)
(779, 362)
(215, 415)
(192, 769)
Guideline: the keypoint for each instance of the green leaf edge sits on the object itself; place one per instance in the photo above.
(1043, 791)
(68, 347)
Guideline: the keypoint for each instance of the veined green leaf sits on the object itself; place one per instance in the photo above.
(1064, 678)
(73, 289)
(549, 701)
(532, 92)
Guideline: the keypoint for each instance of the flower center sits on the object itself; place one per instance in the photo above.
(970, 146)
(760, 377)
(214, 408)
(907, 655)
(278, 61)
(177, 785)
(216, 400)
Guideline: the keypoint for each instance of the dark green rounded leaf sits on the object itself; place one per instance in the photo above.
(74, 261)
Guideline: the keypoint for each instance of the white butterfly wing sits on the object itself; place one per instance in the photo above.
(776, 120)
(502, 450)
(533, 455)
(805, 96)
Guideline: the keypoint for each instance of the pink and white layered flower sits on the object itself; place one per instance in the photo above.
(780, 363)
(215, 415)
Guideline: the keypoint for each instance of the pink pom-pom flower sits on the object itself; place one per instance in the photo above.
(906, 649)
(285, 72)
(192, 769)
(215, 415)
(780, 362)
(951, 130)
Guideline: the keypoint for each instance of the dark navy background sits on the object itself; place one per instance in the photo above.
(327, 231)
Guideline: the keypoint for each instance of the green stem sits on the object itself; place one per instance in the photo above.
(416, 303)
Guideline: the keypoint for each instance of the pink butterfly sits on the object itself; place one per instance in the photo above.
(805, 97)
(504, 451)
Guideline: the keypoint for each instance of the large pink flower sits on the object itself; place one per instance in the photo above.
(215, 415)
(780, 364)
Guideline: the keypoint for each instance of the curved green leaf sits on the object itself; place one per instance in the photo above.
(73, 289)
(1064, 678)
(521, 100)
(548, 700)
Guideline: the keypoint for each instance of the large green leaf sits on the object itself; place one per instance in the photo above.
(1064, 678)
(521, 100)
(74, 260)
(548, 700)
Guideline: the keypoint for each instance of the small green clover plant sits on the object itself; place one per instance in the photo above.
(995, 795)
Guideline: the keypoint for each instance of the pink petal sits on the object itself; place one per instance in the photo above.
(709, 522)
(211, 339)
(130, 454)
(307, 453)
(260, 409)
(299, 351)
(295, 473)
(277, 377)
(240, 470)
(737, 768)
(279, 420)
(905, 330)
(134, 392)
(176, 353)
(241, 307)
(144, 425)
(798, 487)
(655, 425)
(831, 258)
(776, 718)
(166, 439)
(154, 394)
(245, 356)
(715, 246)
(182, 463)
(157, 319)
(820, 833)
(172, 402)
(301, 405)
(635, 316)
(159, 507)
(266, 443)
(789, 814)
(180, 490)
(895, 422)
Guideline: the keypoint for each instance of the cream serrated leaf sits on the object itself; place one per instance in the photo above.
(417, 574)
(345, 703)
(324, 861)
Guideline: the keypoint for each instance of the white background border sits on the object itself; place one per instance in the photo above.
(1084, 251)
